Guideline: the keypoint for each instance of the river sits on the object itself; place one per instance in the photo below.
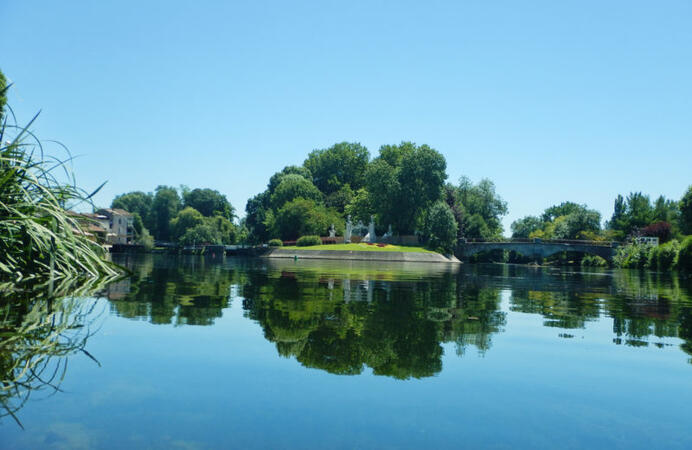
(248, 353)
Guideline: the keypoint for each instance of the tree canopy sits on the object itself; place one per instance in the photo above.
(209, 202)
(341, 164)
(404, 181)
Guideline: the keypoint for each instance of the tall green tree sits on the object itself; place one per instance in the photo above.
(209, 202)
(441, 227)
(686, 212)
(341, 164)
(165, 206)
(136, 202)
(631, 214)
(302, 217)
(256, 211)
(288, 170)
(403, 182)
(563, 209)
(522, 228)
(481, 202)
(292, 187)
(186, 219)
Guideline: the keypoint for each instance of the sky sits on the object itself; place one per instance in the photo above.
(552, 101)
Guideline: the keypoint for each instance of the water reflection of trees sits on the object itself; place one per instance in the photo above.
(40, 327)
(343, 317)
(643, 305)
(173, 290)
(391, 322)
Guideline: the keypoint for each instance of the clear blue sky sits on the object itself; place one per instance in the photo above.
(553, 101)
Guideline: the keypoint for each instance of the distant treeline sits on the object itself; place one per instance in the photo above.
(635, 216)
(186, 217)
(404, 187)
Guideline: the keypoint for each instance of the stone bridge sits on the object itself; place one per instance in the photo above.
(539, 249)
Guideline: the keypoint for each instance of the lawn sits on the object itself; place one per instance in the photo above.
(362, 247)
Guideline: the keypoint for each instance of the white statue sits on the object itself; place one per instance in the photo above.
(349, 230)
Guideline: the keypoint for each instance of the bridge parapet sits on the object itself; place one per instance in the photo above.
(539, 248)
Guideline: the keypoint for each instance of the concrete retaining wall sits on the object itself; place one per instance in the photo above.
(355, 255)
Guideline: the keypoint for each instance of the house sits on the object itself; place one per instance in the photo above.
(106, 226)
(120, 225)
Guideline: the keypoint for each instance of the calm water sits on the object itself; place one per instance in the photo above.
(260, 354)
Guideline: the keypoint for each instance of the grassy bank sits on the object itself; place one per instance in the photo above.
(361, 247)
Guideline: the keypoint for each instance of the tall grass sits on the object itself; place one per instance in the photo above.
(38, 238)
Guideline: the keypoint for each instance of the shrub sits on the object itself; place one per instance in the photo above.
(633, 256)
(685, 255)
(593, 261)
(306, 241)
(665, 256)
(276, 243)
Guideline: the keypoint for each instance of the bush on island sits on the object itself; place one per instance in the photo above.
(306, 241)
(276, 243)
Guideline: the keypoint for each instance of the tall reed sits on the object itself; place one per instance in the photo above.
(39, 239)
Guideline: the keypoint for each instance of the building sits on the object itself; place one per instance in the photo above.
(107, 226)
(120, 225)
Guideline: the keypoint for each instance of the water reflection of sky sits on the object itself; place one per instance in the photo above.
(249, 354)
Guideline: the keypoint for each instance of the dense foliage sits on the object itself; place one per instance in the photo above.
(567, 220)
(198, 216)
(441, 228)
(403, 187)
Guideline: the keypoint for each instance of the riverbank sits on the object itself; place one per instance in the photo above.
(360, 255)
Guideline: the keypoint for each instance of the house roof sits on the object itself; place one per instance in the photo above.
(118, 211)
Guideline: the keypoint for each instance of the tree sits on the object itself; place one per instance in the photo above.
(403, 182)
(618, 221)
(440, 227)
(209, 202)
(522, 228)
(185, 219)
(451, 196)
(165, 206)
(360, 209)
(340, 199)
(639, 211)
(136, 202)
(666, 210)
(686, 212)
(302, 217)
(226, 230)
(476, 228)
(485, 204)
(256, 211)
(661, 230)
(288, 170)
(200, 234)
(581, 221)
(563, 209)
(292, 187)
(341, 164)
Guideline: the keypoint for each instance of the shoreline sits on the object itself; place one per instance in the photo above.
(357, 255)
